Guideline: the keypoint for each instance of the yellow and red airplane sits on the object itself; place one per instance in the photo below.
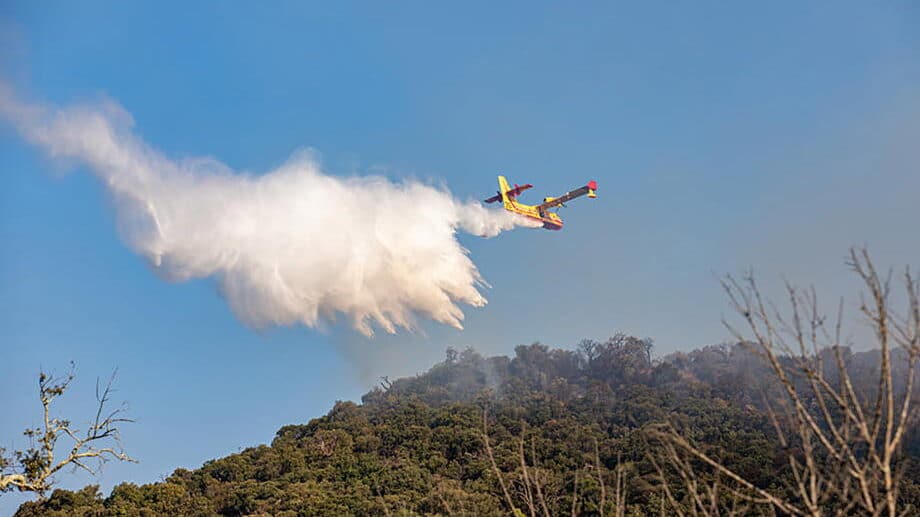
(551, 220)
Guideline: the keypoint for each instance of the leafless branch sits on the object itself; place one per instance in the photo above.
(843, 449)
(495, 469)
(100, 443)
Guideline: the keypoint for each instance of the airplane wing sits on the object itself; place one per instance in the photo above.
(512, 193)
(516, 191)
(568, 196)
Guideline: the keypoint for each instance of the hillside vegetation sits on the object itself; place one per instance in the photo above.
(547, 431)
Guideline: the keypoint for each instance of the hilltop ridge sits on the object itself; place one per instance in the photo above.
(473, 433)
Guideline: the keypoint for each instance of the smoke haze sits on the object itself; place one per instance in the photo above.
(291, 246)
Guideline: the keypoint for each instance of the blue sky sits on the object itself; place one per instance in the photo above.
(766, 135)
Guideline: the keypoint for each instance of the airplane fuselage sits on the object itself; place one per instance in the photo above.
(550, 220)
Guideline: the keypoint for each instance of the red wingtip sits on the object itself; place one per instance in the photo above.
(592, 185)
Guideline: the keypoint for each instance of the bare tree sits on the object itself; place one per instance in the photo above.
(525, 482)
(599, 471)
(538, 477)
(619, 494)
(575, 495)
(620, 477)
(532, 480)
(495, 469)
(541, 494)
(704, 497)
(843, 445)
(33, 469)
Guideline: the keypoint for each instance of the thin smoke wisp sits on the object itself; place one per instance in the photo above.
(291, 246)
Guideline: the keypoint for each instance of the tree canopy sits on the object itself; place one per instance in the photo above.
(547, 431)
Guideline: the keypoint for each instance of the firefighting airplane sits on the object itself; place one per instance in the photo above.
(551, 220)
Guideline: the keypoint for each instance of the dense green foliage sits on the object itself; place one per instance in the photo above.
(416, 445)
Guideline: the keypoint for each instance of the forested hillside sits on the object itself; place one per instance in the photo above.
(545, 432)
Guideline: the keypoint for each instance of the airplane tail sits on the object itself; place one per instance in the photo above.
(504, 188)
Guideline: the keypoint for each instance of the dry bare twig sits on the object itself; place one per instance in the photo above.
(91, 449)
(843, 447)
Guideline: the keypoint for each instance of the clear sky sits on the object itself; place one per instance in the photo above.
(723, 136)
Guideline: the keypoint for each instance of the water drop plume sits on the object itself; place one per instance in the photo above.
(294, 245)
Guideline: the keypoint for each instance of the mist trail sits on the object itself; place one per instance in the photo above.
(291, 246)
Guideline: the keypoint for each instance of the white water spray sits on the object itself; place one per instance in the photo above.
(293, 245)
